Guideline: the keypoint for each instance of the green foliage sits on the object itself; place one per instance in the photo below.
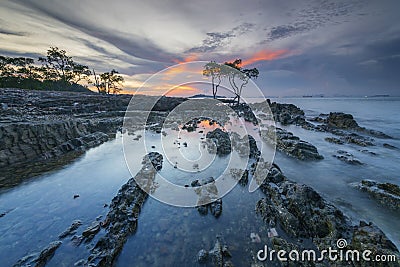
(57, 72)
(213, 70)
(58, 66)
(108, 82)
(232, 71)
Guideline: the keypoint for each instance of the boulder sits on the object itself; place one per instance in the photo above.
(221, 140)
(289, 144)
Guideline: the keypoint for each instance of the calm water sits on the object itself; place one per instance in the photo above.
(42, 208)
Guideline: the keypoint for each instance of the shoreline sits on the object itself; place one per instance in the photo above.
(337, 124)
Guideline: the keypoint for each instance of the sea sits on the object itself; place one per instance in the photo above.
(39, 209)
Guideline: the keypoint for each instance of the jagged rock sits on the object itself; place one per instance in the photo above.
(284, 113)
(246, 146)
(39, 259)
(357, 140)
(208, 197)
(290, 144)
(367, 236)
(37, 126)
(347, 157)
(71, 230)
(302, 213)
(121, 220)
(245, 111)
(387, 194)
(336, 122)
(218, 255)
(91, 230)
(341, 120)
(221, 140)
(334, 140)
(242, 176)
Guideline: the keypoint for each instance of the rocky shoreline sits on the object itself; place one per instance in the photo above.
(41, 126)
(42, 129)
(307, 221)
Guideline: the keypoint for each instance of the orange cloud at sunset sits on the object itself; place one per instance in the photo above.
(191, 57)
(264, 55)
(183, 90)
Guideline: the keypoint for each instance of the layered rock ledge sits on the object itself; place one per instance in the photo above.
(387, 194)
(306, 221)
(40, 130)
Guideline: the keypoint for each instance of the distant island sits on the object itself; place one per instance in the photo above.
(379, 96)
(206, 96)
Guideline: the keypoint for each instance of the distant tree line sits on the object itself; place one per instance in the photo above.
(57, 71)
(237, 76)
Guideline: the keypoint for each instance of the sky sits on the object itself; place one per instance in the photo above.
(330, 47)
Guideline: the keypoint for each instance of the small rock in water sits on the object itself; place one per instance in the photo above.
(255, 238)
(203, 209)
(76, 196)
(389, 146)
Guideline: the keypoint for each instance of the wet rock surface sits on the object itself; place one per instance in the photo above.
(208, 199)
(242, 176)
(308, 221)
(245, 111)
(347, 157)
(336, 121)
(39, 126)
(218, 256)
(221, 140)
(71, 230)
(121, 220)
(39, 259)
(387, 194)
(246, 146)
(285, 114)
(290, 144)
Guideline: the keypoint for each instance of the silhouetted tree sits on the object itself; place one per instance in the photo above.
(238, 77)
(108, 82)
(58, 66)
(18, 70)
(213, 70)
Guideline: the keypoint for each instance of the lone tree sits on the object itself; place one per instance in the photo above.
(108, 82)
(214, 70)
(57, 66)
(238, 77)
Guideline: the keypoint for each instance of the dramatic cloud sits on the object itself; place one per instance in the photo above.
(300, 47)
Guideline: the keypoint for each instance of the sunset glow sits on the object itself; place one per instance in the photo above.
(265, 55)
(191, 57)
